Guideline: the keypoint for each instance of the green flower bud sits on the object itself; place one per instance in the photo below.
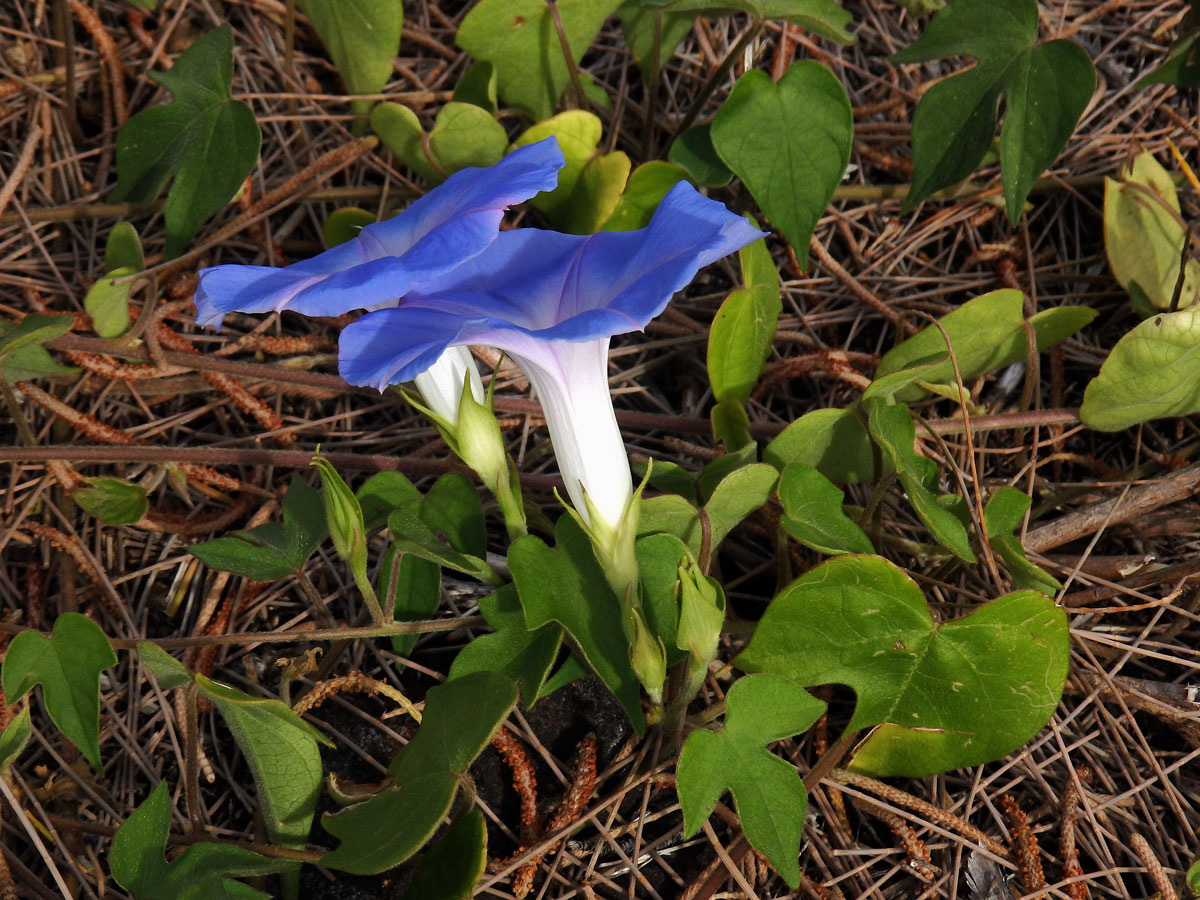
(344, 518)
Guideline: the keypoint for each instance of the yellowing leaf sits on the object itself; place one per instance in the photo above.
(1144, 233)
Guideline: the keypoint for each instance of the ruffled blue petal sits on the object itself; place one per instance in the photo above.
(555, 286)
(451, 223)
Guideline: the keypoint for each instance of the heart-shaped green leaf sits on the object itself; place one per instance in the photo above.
(67, 665)
(770, 795)
(276, 549)
(938, 696)
(789, 143)
(207, 141)
(1046, 87)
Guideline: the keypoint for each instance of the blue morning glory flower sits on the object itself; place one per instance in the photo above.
(450, 224)
(552, 301)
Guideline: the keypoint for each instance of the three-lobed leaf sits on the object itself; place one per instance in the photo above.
(67, 665)
(274, 550)
(202, 870)
(770, 795)
(1046, 87)
(203, 139)
(789, 143)
(937, 696)
(460, 718)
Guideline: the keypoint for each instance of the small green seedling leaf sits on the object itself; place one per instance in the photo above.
(987, 333)
(578, 134)
(460, 718)
(892, 427)
(345, 225)
(812, 513)
(281, 750)
(14, 739)
(1046, 87)
(362, 37)
(112, 501)
(123, 249)
(1193, 878)
(202, 870)
(835, 442)
(823, 17)
(520, 39)
(938, 696)
(206, 141)
(1152, 373)
(22, 355)
(596, 195)
(770, 795)
(789, 143)
(647, 186)
(449, 869)
(1002, 516)
(401, 132)
(514, 650)
(566, 585)
(694, 152)
(1144, 233)
(464, 135)
(276, 549)
(67, 665)
(107, 302)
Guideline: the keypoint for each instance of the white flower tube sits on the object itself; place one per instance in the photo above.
(441, 385)
(571, 380)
